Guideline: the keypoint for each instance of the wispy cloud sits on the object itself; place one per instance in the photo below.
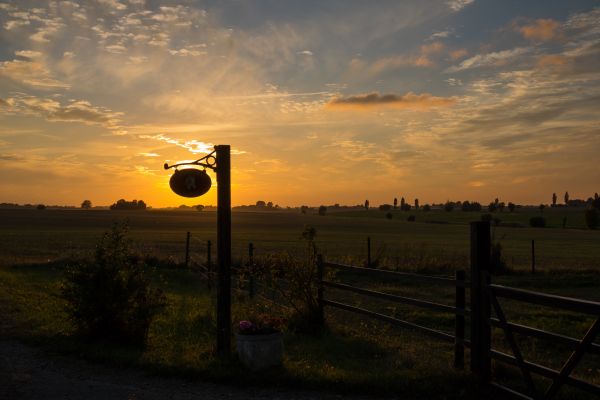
(457, 5)
(53, 110)
(31, 70)
(489, 59)
(410, 101)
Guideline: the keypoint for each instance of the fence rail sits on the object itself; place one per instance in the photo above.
(459, 309)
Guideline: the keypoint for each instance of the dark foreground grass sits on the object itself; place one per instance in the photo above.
(343, 359)
(354, 355)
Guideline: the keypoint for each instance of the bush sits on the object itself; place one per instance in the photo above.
(389, 215)
(385, 207)
(322, 210)
(592, 218)
(411, 218)
(426, 208)
(111, 298)
(537, 222)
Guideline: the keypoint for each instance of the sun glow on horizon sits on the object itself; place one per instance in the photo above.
(338, 106)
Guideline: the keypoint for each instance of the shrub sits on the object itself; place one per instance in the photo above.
(592, 218)
(426, 208)
(411, 218)
(537, 222)
(110, 298)
(389, 215)
(385, 207)
(322, 210)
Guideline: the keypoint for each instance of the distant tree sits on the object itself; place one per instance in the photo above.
(41, 207)
(261, 203)
(385, 207)
(199, 207)
(322, 210)
(511, 206)
(496, 202)
(367, 205)
(402, 203)
(426, 208)
(87, 204)
(566, 198)
(542, 206)
(270, 204)
(123, 204)
(492, 207)
(468, 206)
(303, 209)
(554, 199)
(416, 204)
(405, 207)
(395, 203)
(501, 206)
(596, 196)
(449, 206)
(596, 204)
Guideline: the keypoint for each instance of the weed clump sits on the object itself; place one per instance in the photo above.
(110, 298)
(537, 222)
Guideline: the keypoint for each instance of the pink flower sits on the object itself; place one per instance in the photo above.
(245, 325)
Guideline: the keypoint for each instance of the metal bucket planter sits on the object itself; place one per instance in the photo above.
(258, 352)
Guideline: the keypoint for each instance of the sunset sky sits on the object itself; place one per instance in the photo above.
(322, 101)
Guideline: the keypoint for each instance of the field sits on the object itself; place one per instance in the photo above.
(355, 354)
(436, 239)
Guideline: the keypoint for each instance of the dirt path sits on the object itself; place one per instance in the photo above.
(29, 373)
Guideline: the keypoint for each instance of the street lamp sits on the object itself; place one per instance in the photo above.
(192, 182)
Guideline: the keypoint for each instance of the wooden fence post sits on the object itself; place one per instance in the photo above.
(532, 256)
(459, 326)
(208, 264)
(187, 251)
(251, 270)
(320, 288)
(368, 251)
(480, 304)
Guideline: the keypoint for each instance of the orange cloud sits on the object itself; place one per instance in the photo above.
(553, 60)
(541, 30)
(409, 101)
(460, 53)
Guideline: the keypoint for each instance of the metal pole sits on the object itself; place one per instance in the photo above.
(208, 264)
(187, 251)
(223, 249)
(251, 270)
(368, 251)
(533, 256)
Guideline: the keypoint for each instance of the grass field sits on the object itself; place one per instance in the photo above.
(355, 354)
(436, 239)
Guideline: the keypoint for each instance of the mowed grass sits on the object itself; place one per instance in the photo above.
(37, 236)
(363, 358)
(355, 354)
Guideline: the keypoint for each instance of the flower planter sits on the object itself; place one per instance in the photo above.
(258, 352)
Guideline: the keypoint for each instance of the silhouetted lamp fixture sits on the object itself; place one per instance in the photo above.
(192, 182)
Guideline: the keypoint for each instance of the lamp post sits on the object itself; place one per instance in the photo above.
(194, 183)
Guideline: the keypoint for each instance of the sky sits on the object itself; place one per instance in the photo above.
(322, 101)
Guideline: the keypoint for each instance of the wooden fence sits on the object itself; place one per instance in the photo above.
(484, 297)
(485, 312)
